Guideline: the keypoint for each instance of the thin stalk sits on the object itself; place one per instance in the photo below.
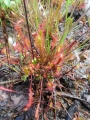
(30, 36)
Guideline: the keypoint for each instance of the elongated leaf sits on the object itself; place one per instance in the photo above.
(30, 102)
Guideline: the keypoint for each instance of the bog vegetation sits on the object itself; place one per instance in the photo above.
(42, 49)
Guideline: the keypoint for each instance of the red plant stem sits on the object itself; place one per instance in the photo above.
(30, 36)
(38, 106)
(9, 90)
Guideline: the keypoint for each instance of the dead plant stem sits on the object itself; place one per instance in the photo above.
(29, 33)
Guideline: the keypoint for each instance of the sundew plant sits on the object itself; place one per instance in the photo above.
(42, 49)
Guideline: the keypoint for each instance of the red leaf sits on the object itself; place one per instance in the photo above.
(30, 102)
(42, 27)
(18, 47)
(27, 43)
(54, 40)
(5, 89)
